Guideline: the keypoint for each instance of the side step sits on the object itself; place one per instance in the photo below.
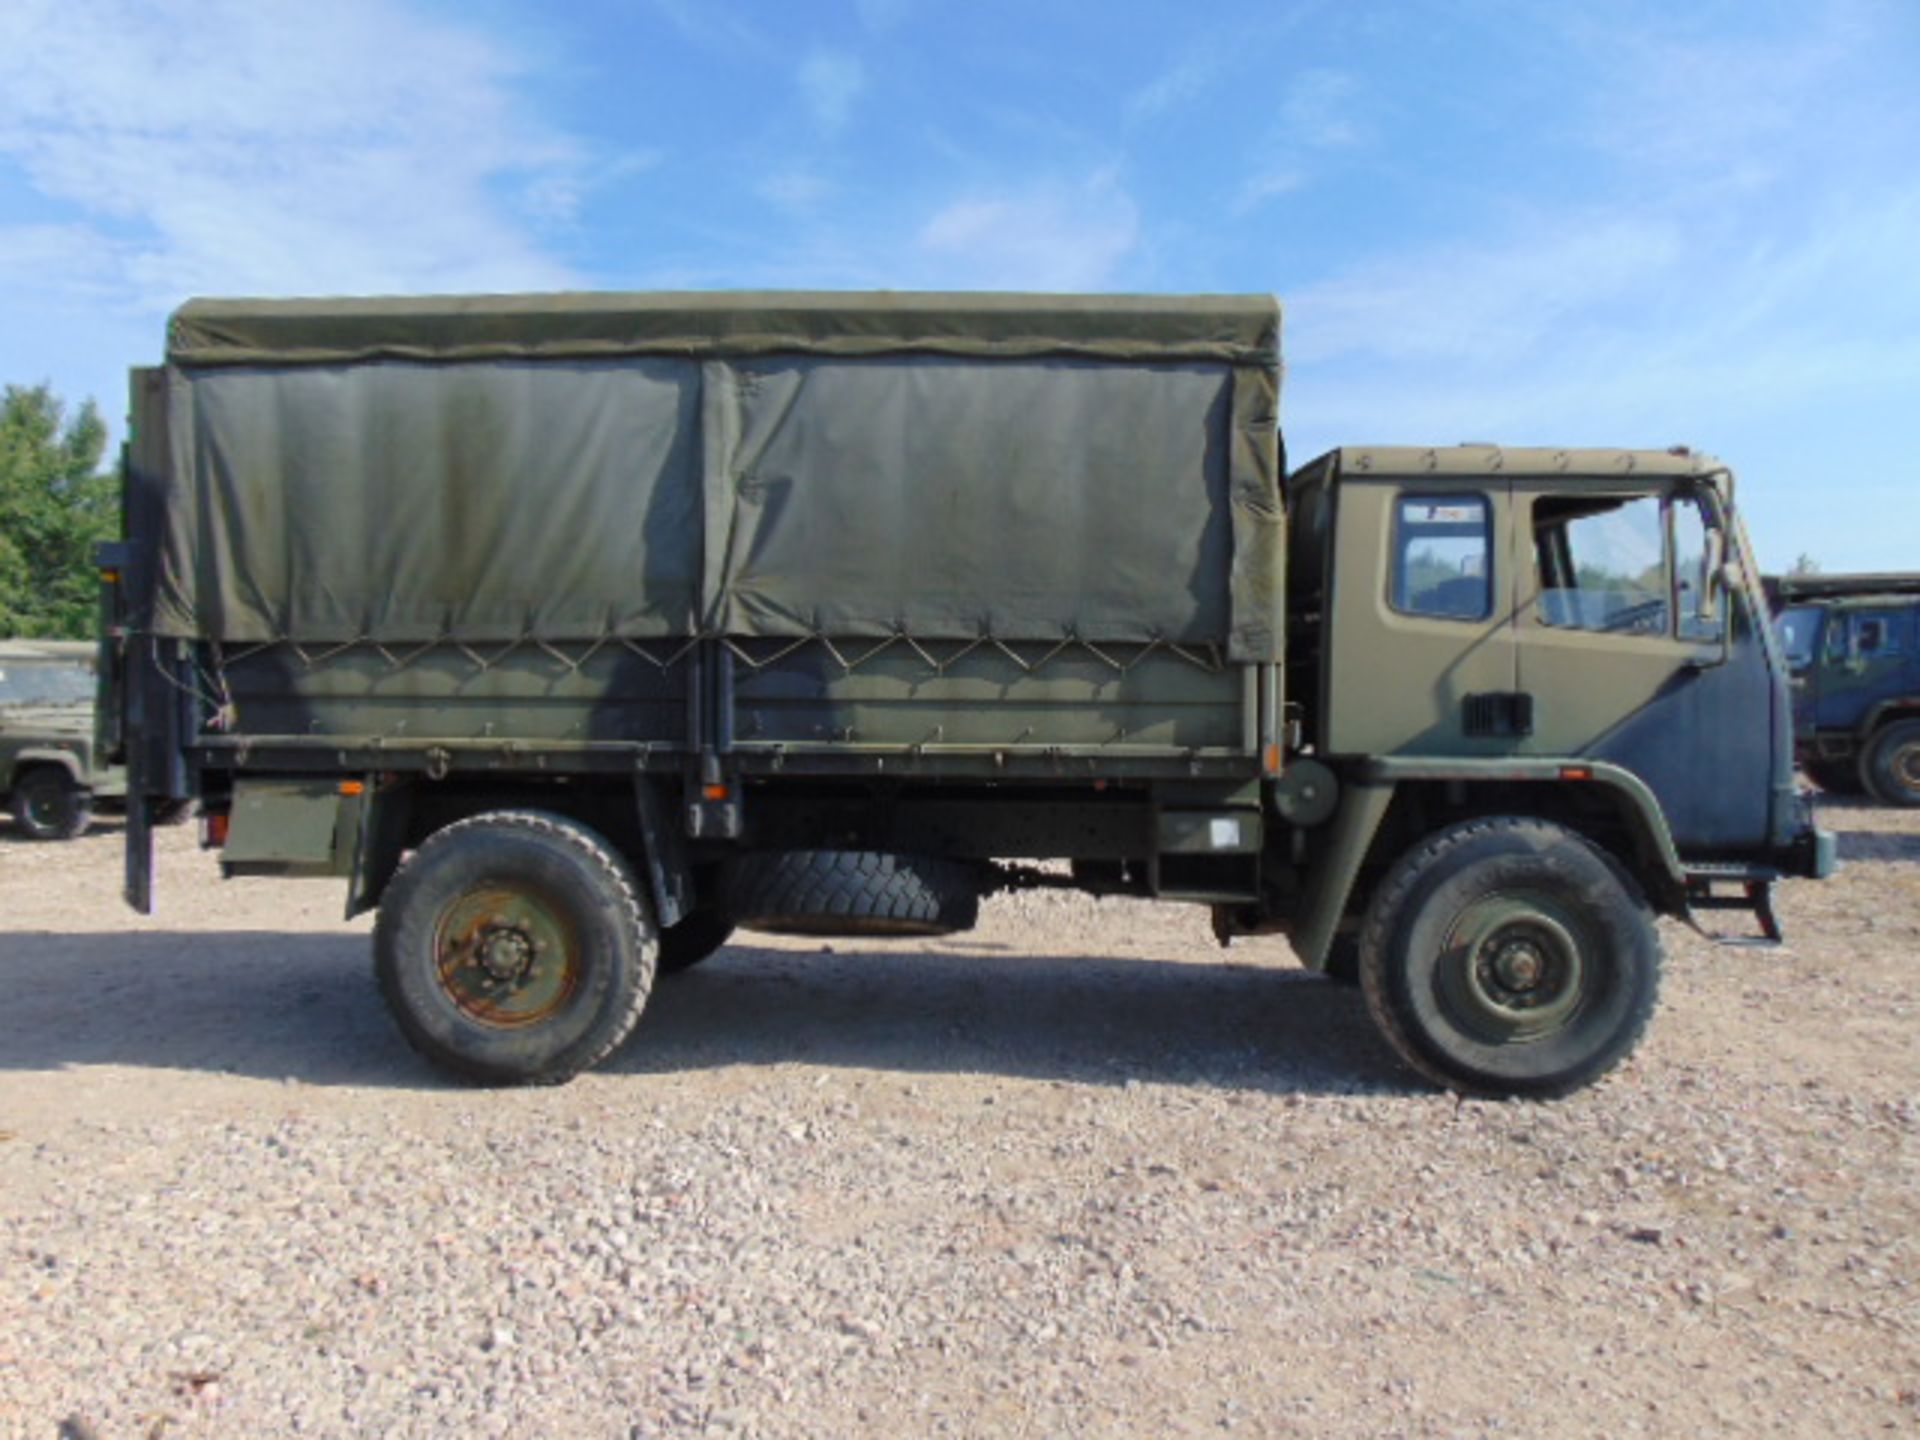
(1755, 895)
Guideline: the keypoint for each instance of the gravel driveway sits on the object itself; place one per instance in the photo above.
(1078, 1172)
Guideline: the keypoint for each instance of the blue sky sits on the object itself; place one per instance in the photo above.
(1578, 223)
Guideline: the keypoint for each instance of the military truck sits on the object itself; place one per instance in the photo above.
(575, 632)
(51, 770)
(1852, 647)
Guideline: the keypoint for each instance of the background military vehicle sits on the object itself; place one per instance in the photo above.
(1852, 645)
(576, 631)
(51, 769)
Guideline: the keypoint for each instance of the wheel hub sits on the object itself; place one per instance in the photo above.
(507, 956)
(1906, 766)
(1519, 966)
(504, 952)
(1513, 969)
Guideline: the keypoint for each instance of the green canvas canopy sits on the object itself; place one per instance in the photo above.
(1236, 329)
(572, 467)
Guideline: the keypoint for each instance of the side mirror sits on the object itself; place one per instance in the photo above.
(1713, 577)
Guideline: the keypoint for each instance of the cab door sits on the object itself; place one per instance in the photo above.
(1621, 664)
(1420, 659)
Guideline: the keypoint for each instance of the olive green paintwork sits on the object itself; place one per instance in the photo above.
(47, 715)
(1406, 696)
(1397, 683)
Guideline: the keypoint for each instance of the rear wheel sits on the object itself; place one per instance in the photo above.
(1510, 956)
(1891, 766)
(49, 805)
(170, 812)
(514, 948)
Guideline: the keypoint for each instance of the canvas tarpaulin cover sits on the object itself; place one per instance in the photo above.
(566, 468)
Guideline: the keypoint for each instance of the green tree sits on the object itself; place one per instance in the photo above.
(54, 504)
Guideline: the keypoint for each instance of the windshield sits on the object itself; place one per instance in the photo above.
(45, 682)
(1799, 627)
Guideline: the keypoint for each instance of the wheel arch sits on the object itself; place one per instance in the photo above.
(41, 757)
(1887, 712)
(1393, 804)
(399, 816)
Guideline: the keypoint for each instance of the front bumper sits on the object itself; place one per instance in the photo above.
(1814, 852)
(1823, 848)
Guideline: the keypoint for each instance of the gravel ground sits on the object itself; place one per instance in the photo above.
(1078, 1172)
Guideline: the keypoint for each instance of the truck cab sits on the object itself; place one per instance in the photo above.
(1570, 632)
(52, 770)
(1852, 647)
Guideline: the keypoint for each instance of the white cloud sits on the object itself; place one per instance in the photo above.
(795, 189)
(830, 82)
(1179, 85)
(1320, 110)
(237, 148)
(1269, 185)
(1495, 299)
(1058, 236)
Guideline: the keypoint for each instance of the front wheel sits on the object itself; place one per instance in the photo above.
(48, 805)
(1891, 766)
(514, 948)
(1510, 956)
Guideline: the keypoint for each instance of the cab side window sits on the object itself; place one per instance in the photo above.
(1442, 552)
(1874, 635)
(1603, 563)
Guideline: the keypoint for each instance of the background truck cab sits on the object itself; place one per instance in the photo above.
(1852, 644)
(51, 768)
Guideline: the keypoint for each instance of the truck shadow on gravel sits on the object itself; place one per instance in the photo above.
(303, 1007)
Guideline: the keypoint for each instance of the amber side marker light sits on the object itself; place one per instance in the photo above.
(216, 829)
(715, 792)
(353, 787)
(112, 577)
(1271, 760)
(1575, 772)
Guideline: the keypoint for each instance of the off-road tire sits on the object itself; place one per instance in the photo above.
(697, 937)
(1836, 777)
(573, 877)
(1479, 896)
(169, 812)
(1890, 767)
(48, 805)
(849, 892)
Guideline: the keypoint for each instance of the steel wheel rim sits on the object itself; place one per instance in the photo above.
(506, 956)
(1514, 967)
(43, 806)
(1906, 767)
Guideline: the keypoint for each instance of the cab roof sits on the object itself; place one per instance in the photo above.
(1481, 460)
(1881, 588)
